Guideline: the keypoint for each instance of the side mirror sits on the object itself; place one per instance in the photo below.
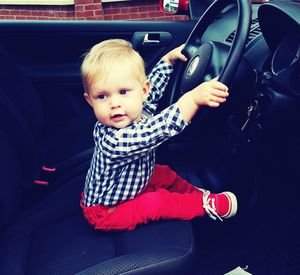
(174, 6)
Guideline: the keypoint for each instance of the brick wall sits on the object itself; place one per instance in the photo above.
(89, 10)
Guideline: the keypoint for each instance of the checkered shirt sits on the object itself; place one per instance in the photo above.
(123, 159)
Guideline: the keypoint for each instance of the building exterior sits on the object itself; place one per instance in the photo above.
(83, 10)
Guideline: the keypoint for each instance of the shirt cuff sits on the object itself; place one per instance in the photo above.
(174, 119)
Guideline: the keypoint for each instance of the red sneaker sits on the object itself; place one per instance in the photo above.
(222, 205)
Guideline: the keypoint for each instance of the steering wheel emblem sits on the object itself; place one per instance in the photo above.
(193, 66)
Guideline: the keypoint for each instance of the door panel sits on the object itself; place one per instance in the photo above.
(51, 53)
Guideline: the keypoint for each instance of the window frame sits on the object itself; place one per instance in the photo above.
(48, 2)
(37, 2)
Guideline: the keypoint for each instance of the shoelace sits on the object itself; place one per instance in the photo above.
(209, 206)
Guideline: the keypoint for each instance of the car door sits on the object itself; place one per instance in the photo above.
(51, 54)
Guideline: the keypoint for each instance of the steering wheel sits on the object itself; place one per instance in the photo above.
(211, 59)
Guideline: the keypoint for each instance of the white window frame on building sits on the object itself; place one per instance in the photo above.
(37, 2)
(47, 2)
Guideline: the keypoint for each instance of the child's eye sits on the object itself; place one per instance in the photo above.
(123, 92)
(102, 97)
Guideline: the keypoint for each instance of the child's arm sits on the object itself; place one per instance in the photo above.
(211, 93)
(139, 138)
(160, 75)
(174, 55)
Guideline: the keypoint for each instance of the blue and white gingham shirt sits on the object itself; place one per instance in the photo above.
(123, 159)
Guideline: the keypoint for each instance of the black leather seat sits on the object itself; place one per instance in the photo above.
(22, 121)
(52, 237)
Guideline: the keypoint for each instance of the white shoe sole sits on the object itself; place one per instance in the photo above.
(234, 206)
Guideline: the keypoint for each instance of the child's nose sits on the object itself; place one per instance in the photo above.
(115, 102)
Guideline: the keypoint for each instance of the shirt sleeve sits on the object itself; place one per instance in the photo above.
(141, 137)
(158, 78)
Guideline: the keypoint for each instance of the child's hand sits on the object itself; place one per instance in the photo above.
(174, 55)
(211, 93)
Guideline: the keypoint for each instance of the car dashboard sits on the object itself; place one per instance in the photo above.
(264, 110)
(273, 54)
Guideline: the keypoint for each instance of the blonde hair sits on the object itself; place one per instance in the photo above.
(103, 56)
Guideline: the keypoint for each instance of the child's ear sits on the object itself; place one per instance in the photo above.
(87, 98)
(146, 89)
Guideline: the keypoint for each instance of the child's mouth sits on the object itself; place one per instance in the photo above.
(117, 117)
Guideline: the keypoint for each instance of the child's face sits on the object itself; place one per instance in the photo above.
(117, 98)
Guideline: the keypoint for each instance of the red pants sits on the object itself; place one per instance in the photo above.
(167, 196)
